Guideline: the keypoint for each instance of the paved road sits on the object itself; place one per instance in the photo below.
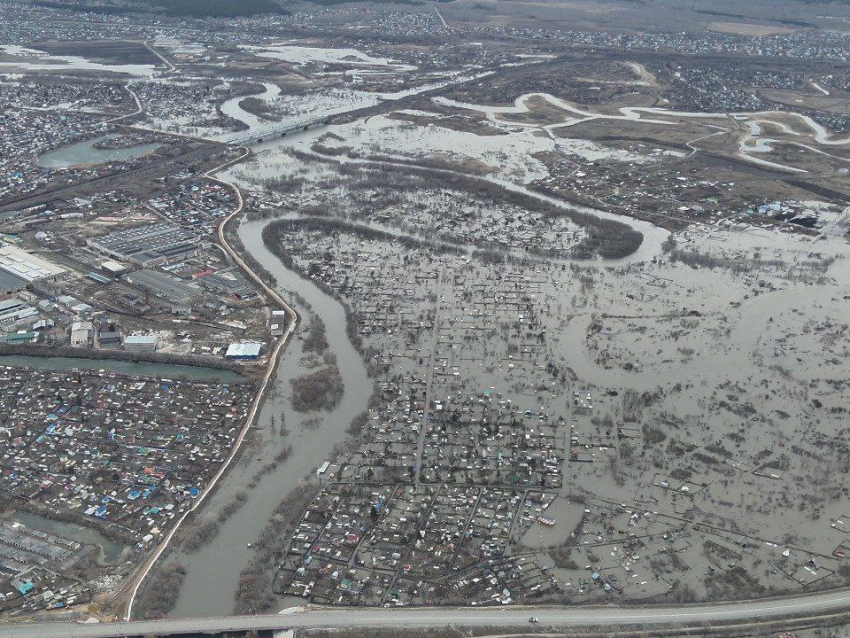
(744, 612)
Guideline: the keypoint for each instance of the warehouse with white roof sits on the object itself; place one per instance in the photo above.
(243, 350)
(23, 265)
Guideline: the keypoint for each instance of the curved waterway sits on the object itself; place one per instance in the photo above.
(212, 573)
(233, 109)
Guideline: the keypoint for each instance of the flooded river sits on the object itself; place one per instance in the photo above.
(233, 109)
(213, 571)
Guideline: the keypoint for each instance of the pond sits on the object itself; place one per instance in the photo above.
(85, 154)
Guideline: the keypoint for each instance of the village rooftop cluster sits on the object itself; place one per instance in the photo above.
(131, 453)
(415, 546)
(123, 455)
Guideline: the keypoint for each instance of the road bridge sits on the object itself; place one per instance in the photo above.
(602, 617)
(279, 130)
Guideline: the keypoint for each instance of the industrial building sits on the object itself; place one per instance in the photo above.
(10, 282)
(163, 286)
(18, 268)
(81, 334)
(149, 245)
(278, 322)
(113, 267)
(228, 282)
(73, 304)
(19, 337)
(109, 338)
(141, 343)
(243, 351)
(12, 311)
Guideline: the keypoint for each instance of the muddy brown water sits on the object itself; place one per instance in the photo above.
(212, 573)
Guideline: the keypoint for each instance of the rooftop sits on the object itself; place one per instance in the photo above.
(242, 350)
(23, 265)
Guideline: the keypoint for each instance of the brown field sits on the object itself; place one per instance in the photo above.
(745, 28)
(111, 52)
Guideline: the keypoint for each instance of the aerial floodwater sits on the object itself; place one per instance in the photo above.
(86, 153)
(23, 59)
(433, 310)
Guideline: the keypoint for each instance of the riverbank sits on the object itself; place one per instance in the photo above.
(213, 571)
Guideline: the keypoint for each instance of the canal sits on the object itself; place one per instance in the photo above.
(144, 369)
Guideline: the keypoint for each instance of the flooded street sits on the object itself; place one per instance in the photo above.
(213, 571)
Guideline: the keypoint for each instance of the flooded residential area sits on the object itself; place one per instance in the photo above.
(457, 306)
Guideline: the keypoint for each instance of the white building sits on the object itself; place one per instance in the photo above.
(141, 343)
(81, 334)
